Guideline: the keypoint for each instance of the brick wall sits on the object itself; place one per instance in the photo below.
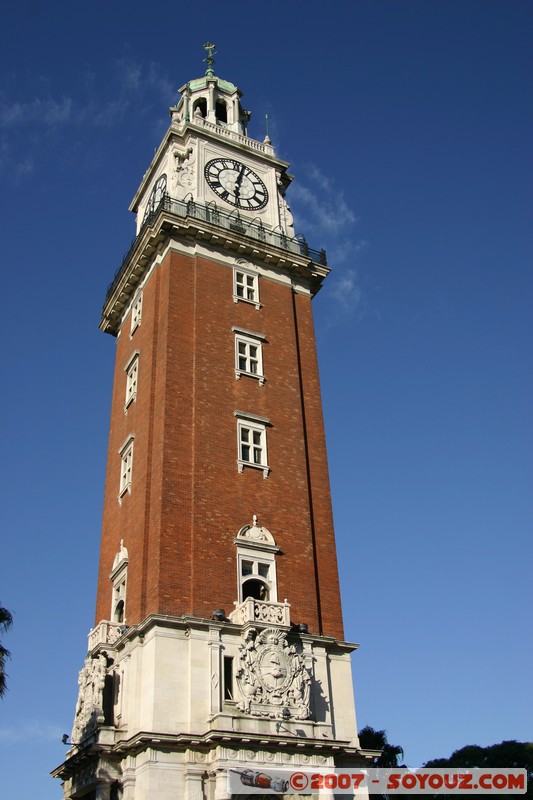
(188, 500)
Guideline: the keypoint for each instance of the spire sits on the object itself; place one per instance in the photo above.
(211, 53)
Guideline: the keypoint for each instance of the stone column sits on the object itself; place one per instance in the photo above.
(194, 784)
(103, 791)
(232, 113)
(211, 116)
(221, 785)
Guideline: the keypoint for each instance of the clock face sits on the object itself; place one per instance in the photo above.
(236, 183)
(156, 195)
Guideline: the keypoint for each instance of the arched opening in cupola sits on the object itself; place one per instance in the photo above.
(221, 111)
(200, 107)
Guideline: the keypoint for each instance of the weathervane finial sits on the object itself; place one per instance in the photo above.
(211, 53)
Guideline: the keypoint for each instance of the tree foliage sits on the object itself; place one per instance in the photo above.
(370, 739)
(508, 754)
(6, 620)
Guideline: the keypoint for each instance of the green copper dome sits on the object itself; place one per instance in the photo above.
(201, 83)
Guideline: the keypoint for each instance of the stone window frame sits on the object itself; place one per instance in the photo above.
(247, 289)
(254, 425)
(258, 560)
(132, 377)
(136, 312)
(119, 577)
(249, 339)
(261, 552)
(126, 467)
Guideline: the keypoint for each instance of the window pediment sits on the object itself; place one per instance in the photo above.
(256, 536)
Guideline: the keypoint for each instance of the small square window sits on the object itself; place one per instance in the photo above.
(136, 312)
(132, 371)
(228, 678)
(263, 570)
(247, 567)
(246, 287)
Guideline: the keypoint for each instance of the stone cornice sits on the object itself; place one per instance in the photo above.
(290, 742)
(186, 623)
(235, 238)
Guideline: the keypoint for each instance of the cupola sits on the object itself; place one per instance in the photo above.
(211, 99)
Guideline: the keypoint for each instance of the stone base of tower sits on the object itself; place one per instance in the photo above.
(168, 706)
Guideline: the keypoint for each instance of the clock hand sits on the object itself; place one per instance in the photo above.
(238, 182)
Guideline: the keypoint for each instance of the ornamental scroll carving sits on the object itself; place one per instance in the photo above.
(272, 675)
(272, 613)
(89, 707)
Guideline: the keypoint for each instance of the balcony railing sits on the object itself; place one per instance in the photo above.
(251, 610)
(233, 222)
(105, 633)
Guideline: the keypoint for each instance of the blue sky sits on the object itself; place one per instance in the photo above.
(408, 125)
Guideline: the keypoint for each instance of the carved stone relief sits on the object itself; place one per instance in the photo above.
(271, 675)
(255, 532)
(89, 706)
(286, 217)
(183, 173)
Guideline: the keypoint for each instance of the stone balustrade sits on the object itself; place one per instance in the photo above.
(221, 130)
(105, 633)
(269, 613)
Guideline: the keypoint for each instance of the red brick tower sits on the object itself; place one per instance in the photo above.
(218, 551)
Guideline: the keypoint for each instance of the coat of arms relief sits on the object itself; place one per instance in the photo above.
(271, 675)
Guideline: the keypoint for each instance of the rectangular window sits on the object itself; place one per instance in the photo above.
(132, 371)
(228, 678)
(126, 460)
(252, 446)
(246, 287)
(136, 312)
(249, 356)
(255, 568)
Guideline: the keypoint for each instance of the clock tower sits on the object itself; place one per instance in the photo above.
(218, 639)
